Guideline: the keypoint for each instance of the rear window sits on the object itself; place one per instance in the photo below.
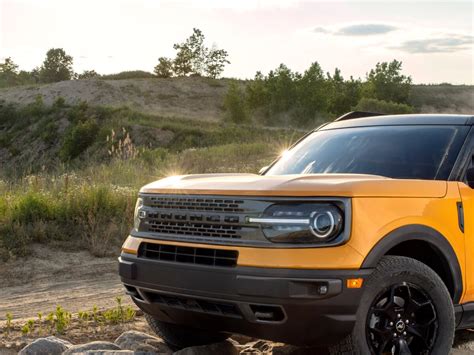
(403, 152)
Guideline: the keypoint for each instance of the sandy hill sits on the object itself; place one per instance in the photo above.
(201, 98)
(192, 98)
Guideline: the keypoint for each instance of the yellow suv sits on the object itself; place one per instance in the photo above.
(358, 238)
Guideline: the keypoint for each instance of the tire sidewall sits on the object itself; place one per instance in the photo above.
(424, 278)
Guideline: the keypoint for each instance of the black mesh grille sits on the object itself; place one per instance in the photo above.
(193, 229)
(197, 204)
(189, 255)
(194, 304)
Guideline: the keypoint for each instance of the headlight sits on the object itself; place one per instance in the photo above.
(137, 217)
(301, 222)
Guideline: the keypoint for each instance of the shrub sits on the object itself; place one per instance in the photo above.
(78, 139)
(234, 103)
(380, 106)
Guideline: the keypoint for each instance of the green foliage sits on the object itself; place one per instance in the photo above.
(88, 74)
(234, 104)
(164, 68)
(78, 139)
(133, 74)
(56, 67)
(381, 106)
(215, 62)
(194, 58)
(8, 323)
(62, 319)
(287, 97)
(191, 54)
(386, 82)
(30, 208)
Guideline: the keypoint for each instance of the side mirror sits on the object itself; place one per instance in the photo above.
(262, 170)
(470, 177)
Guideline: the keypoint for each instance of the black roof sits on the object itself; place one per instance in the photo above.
(402, 120)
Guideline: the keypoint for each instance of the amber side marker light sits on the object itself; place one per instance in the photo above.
(354, 283)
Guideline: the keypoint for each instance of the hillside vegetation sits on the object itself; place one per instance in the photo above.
(73, 154)
(71, 172)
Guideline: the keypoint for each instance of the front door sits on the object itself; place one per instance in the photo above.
(467, 220)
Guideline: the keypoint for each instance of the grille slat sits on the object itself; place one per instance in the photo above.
(195, 304)
(197, 204)
(189, 255)
(193, 229)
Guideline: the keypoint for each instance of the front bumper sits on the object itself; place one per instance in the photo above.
(296, 306)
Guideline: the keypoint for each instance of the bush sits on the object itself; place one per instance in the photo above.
(380, 106)
(133, 74)
(78, 139)
(234, 104)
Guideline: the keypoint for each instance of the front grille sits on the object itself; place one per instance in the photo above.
(202, 218)
(188, 255)
(193, 229)
(194, 304)
(197, 204)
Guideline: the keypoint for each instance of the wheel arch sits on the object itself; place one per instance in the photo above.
(408, 241)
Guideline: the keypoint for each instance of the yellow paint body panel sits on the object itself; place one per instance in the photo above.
(379, 206)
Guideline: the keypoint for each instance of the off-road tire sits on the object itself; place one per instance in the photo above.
(179, 337)
(392, 270)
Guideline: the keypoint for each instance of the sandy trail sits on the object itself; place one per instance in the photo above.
(74, 280)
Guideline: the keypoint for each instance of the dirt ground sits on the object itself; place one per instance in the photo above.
(74, 280)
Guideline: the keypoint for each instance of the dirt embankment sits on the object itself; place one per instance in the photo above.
(191, 98)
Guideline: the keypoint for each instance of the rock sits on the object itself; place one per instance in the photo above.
(46, 346)
(257, 347)
(115, 352)
(138, 341)
(95, 345)
(222, 348)
(242, 339)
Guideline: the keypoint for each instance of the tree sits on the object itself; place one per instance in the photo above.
(191, 54)
(386, 82)
(193, 57)
(56, 67)
(88, 74)
(313, 94)
(234, 103)
(8, 73)
(164, 68)
(343, 94)
(215, 62)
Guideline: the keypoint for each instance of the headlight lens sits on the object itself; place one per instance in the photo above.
(301, 223)
(136, 217)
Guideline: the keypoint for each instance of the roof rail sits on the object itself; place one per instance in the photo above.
(357, 114)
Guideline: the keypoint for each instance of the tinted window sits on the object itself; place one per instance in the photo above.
(405, 152)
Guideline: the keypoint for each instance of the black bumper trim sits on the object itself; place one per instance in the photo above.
(287, 305)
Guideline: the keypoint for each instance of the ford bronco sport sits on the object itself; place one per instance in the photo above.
(360, 237)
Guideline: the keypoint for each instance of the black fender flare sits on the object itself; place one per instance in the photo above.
(423, 233)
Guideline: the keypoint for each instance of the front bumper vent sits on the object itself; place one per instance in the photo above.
(188, 255)
(194, 304)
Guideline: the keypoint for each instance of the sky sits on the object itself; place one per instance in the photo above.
(433, 39)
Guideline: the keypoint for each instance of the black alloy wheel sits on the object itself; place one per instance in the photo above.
(402, 320)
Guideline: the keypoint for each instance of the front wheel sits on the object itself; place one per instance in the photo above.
(405, 309)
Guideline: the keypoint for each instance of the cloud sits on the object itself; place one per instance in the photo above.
(321, 30)
(444, 44)
(368, 29)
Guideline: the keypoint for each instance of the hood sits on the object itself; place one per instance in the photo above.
(335, 185)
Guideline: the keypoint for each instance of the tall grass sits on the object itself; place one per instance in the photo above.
(92, 208)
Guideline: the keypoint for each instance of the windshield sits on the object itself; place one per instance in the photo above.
(403, 152)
